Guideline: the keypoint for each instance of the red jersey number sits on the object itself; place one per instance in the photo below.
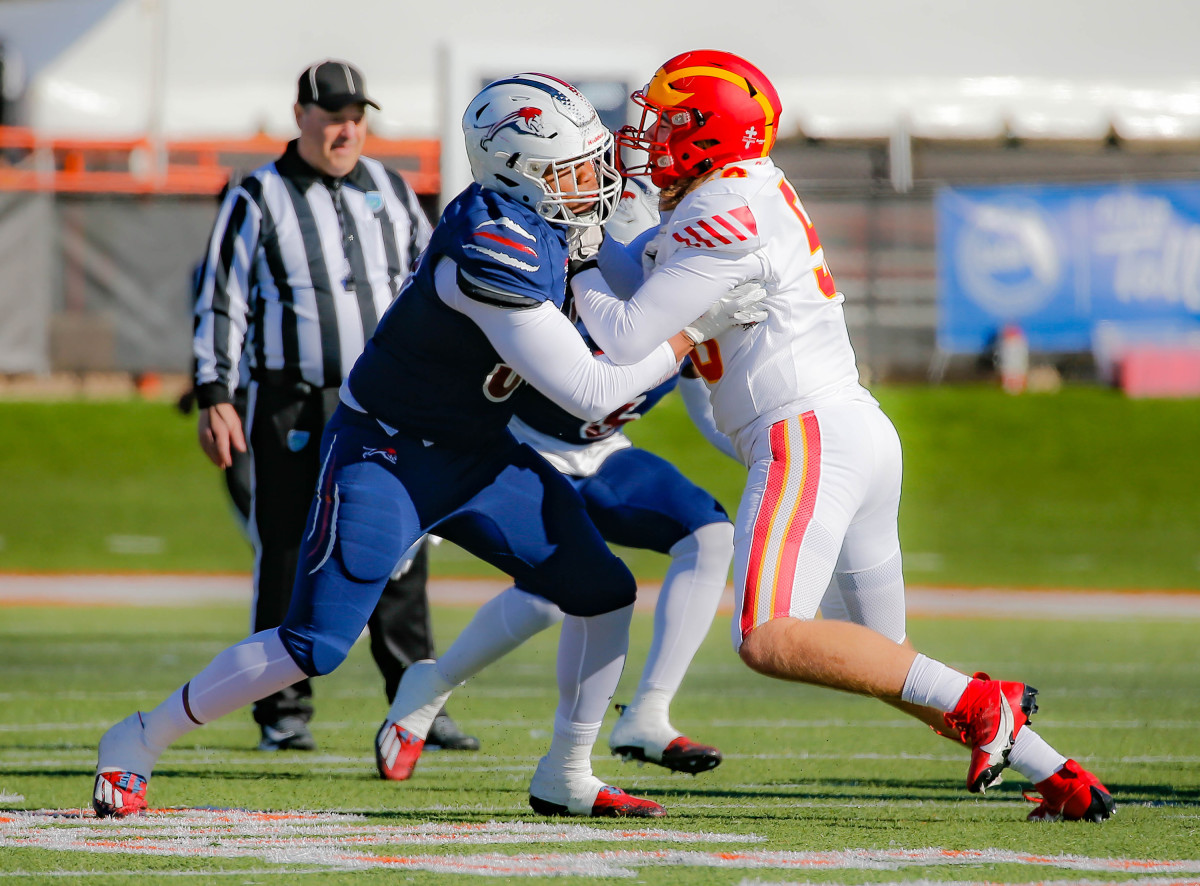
(707, 360)
(824, 277)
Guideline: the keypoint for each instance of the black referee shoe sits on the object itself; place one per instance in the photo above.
(287, 734)
(445, 735)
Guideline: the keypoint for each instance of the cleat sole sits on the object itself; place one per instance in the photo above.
(636, 808)
(1102, 807)
(691, 763)
(545, 807)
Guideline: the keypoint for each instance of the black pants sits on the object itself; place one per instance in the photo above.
(285, 425)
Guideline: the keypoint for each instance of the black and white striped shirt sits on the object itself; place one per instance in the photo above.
(299, 269)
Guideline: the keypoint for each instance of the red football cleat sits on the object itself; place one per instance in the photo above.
(611, 802)
(1072, 794)
(681, 755)
(118, 794)
(396, 752)
(988, 717)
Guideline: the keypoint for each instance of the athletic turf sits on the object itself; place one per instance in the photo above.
(1080, 489)
(808, 774)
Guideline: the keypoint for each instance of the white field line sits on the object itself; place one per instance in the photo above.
(368, 727)
(185, 590)
(430, 762)
(340, 841)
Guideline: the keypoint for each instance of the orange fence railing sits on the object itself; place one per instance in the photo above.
(33, 162)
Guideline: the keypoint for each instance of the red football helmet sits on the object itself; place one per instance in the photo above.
(700, 111)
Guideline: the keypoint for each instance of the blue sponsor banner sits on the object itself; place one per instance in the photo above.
(1059, 261)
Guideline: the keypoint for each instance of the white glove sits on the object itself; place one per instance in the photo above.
(584, 242)
(738, 307)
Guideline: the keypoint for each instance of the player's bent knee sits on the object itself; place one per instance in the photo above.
(596, 585)
(768, 647)
(754, 651)
(599, 597)
(316, 656)
(328, 656)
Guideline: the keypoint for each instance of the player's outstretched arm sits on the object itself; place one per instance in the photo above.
(670, 299)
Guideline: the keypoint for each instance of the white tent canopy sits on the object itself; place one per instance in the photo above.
(855, 68)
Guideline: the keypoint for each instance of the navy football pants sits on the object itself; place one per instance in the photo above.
(377, 494)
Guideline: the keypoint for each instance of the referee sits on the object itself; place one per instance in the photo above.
(306, 254)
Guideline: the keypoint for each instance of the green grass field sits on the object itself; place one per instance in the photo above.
(1081, 489)
(808, 774)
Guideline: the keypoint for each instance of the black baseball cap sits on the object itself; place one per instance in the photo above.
(332, 84)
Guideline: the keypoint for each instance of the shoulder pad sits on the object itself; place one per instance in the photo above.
(720, 221)
(506, 258)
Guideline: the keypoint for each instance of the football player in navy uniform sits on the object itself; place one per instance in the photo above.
(638, 500)
(420, 443)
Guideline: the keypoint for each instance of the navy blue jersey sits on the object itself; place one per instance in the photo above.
(428, 370)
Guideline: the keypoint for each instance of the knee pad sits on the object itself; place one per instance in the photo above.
(367, 538)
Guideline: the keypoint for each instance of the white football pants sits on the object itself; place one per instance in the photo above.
(818, 513)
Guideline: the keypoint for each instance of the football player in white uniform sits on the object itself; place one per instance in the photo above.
(819, 512)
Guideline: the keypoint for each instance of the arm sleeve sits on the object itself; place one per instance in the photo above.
(544, 348)
(671, 298)
(699, 408)
(223, 298)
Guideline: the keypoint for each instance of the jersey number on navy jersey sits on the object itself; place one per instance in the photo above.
(501, 383)
(622, 415)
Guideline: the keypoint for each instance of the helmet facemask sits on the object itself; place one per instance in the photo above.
(539, 140)
(656, 135)
(579, 191)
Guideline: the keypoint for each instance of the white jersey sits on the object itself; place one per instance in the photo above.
(745, 223)
(800, 356)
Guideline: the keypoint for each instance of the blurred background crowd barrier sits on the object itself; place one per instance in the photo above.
(985, 182)
(1092, 250)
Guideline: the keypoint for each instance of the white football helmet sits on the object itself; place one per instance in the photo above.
(536, 138)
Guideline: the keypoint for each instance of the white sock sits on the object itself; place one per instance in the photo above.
(1033, 757)
(687, 604)
(167, 723)
(645, 722)
(933, 684)
(591, 654)
(570, 751)
(243, 673)
(500, 626)
(421, 694)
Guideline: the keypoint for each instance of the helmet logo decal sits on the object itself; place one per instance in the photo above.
(751, 137)
(527, 120)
